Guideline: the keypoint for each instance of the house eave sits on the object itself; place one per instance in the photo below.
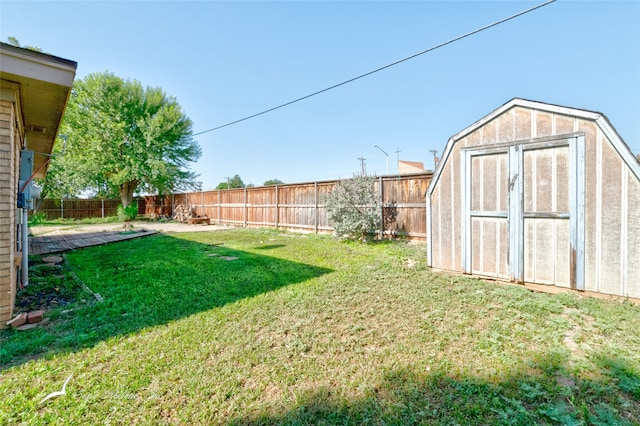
(40, 84)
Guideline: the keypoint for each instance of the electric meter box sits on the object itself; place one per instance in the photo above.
(26, 170)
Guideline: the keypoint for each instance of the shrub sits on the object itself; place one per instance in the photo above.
(353, 208)
(127, 214)
(37, 218)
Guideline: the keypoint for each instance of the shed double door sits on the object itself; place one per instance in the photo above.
(523, 206)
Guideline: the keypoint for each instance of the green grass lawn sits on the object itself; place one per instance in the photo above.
(263, 327)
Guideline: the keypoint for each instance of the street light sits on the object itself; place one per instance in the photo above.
(376, 146)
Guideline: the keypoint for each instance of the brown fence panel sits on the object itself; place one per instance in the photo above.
(111, 207)
(52, 209)
(155, 206)
(77, 208)
(324, 188)
(297, 206)
(404, 206)
(210, 205)
(194, 199)
(232, 206)
(179, 200)
(261, 206)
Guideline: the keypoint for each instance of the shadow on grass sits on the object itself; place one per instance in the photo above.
(147, 282)
(544, 394)
(270, 247)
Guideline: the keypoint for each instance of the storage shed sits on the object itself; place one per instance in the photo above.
(538, 193)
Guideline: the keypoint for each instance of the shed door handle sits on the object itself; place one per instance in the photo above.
(513, 181)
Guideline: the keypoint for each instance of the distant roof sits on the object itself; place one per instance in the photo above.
(418, 164)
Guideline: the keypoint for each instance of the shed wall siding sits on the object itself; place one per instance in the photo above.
(633, 237)
(544, 124)
(593, 210)
(524, 123)
(456, 206)
(448, 224)
(612, 233)
(445, 254)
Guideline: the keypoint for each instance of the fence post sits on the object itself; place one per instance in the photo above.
(62, 208)
(202, 202)
(315, 215)
(219, 209)
(277, 208)
(380, 188)
(245, 207)
(102, 208)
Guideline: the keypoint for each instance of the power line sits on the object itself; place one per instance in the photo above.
(453, 40)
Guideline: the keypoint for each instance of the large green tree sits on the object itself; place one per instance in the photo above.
(234, 182)
(122, 138)
(14, 42)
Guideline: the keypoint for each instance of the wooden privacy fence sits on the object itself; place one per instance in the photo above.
(294, 206)
(299, 206)
(77, 208)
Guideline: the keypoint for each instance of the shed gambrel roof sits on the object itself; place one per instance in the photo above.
(600, 119)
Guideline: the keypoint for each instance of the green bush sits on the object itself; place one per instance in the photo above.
(37, 218)
(127, 214)
(353, 208)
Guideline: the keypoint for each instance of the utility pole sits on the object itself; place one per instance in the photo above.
(364, 168)
(435, 158)
(228, 182)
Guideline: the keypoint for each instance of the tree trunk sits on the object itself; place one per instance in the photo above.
(126, 192)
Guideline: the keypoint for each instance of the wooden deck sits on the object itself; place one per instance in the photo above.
(64, 241)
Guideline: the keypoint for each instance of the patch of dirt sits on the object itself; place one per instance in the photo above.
(573, 339)
(51, 285)
(410, 263)
(573, 334)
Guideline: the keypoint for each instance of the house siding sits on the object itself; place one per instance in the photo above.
(34, 89)
(10, 144)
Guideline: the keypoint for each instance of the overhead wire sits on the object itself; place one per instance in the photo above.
(351, 80)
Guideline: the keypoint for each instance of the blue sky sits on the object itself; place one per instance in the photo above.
(223, 61)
